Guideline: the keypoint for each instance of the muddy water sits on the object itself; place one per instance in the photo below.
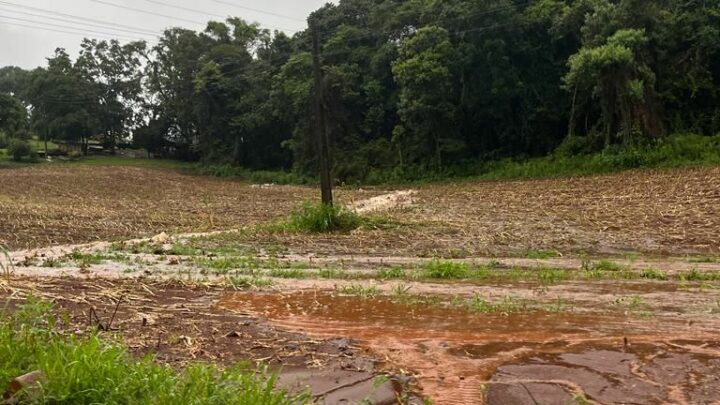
(462, 357)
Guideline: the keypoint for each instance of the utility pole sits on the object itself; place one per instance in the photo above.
(321, 120)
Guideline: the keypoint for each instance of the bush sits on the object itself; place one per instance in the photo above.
(319, 218)
(253, 176)
(19, 149)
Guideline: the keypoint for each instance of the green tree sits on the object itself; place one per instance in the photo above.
(424, 74)
(613, 73)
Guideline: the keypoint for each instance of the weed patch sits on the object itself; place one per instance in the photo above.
(441, 269)
(244, 282)
(391, 273)
(359, 290)
(88, 370)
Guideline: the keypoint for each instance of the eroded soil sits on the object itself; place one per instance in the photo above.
(180, 323)
(464, 357)
(595, 290)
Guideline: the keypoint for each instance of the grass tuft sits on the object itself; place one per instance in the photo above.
(322, 218)
(445, 269)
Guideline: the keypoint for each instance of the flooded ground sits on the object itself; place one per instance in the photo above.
(460, 356)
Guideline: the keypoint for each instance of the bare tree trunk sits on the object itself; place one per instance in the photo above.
(571, 124)
(321, 121)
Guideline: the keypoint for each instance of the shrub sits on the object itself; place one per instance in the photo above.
(319, 218)
(19, 149)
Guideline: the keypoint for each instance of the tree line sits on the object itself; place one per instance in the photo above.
(410, 86)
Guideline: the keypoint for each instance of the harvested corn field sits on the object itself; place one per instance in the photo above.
(585, 290)
(657, 212)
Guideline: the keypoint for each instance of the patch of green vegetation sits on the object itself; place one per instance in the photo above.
(332, 273)
(551, 276)
(696, 275)
(223, 265)
(88, 370)
(85, 259)
(288, 273)
(702, 259)
(632, 302)
(441, 269)
(391, 273)
(38, 144)
(132, 162)
(401, 291)
(252, 176)
(675, 151)
(507, 305)
(359, 290)
(653, 274)
(607, 265)
(321, 218)
(678, 150)
(542, 254)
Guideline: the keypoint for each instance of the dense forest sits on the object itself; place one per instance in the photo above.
(410, 86)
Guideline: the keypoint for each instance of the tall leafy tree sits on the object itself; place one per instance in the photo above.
(424, 73)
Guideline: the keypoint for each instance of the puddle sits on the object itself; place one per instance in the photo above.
(462, 357)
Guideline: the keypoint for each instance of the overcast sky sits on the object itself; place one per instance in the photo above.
(28, 45)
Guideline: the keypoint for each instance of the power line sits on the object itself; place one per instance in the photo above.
(110, 34)
(258, 11)
(51, 29)
(139, 10)
(192, 10)
(73, 16)
(66, 20)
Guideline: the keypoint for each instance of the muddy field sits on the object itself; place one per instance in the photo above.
(592, 290)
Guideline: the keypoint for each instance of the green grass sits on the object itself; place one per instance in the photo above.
(508, 305)
(678, 150)
(391, 273)
(322, 218)
(703, 259)
(223, 265)
(38, 144)
(359, 290)
(89, 370)
(440, 269)
(288, 273)
(607, 265)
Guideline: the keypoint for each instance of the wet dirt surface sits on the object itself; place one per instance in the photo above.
(179, 323)
(464, 357)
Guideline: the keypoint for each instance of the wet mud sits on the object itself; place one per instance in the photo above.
(462, 357)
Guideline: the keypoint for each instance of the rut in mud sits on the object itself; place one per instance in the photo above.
(462, 357)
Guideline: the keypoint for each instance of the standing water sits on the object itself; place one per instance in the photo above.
(463, 357)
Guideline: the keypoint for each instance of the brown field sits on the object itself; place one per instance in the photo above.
(465, 292)
(659, 212)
